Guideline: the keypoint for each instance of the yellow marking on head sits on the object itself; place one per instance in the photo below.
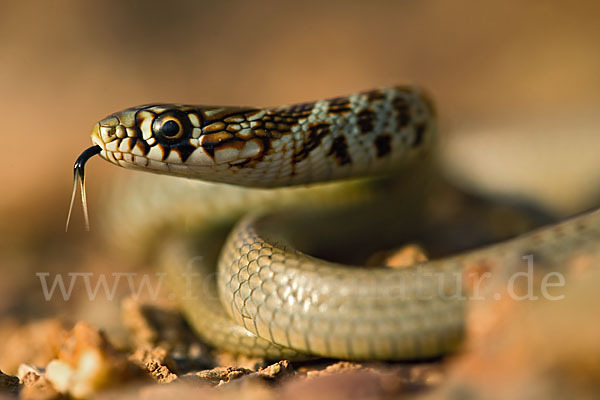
(215, 138)
(234, 119)
(146, 125)
(214, 127)
(127, 119)
(194, 120)
(109, 121)
(210, 113)
(255, 116)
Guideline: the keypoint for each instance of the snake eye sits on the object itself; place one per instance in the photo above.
(171, 127)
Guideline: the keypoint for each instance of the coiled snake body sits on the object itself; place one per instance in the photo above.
(273, 300)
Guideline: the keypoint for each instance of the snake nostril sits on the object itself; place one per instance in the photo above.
(107, 133)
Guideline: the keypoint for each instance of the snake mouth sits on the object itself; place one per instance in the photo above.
(103, 136)
(97, 139)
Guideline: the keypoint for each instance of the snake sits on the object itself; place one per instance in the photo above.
(271, 298)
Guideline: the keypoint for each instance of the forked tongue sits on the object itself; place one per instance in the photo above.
(79, 176)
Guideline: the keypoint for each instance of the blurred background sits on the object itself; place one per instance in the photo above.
(516, 85)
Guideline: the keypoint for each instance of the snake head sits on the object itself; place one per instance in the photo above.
(358, 135)
(160, 138)
(176, 139)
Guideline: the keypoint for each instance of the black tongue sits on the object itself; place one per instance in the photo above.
(79, 176)
(86, 155)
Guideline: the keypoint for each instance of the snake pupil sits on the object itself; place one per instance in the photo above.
(170, 129)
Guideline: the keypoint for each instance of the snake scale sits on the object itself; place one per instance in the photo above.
(272, 300)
